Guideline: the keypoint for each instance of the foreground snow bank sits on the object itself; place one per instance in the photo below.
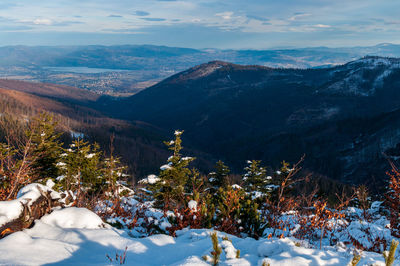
(78, 236)
(73, 218)
(10, 210)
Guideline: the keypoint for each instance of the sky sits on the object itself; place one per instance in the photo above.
(224, 24)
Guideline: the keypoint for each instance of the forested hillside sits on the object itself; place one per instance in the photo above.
(335, 116)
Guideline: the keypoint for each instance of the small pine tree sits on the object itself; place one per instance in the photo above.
(229, 207)
(46, 146)
(219, 178)
(217, 250)
(356, 259)
(390, 255)
(113, 170)
(255, 178)
(81, 168)
(251, 219)
(169, 191)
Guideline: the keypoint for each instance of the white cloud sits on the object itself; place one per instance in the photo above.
(322, 26)
(225, 15)
(42, 21)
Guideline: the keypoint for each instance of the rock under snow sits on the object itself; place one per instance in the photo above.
(73, 218)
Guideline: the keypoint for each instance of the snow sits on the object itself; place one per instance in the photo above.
(73, 218)
(61, 164)
(90, 155)
(76, 236)
(150, 179)
(192, 205)
(230, 250)
(10, 210)
(236, 186)
(165, 167)
(357, 230)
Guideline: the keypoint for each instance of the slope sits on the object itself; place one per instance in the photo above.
(253, 112)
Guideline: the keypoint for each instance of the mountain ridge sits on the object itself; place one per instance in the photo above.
(245, 112)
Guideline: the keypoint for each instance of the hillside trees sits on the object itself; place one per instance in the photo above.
(15, 167)
(32, 152)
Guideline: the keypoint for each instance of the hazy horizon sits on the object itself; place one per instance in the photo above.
(203, 48)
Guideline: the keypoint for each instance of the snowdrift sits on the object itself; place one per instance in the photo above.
(77, 236)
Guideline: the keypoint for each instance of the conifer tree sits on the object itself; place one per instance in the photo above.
(251, 219)
(82, 171)
(46, 146)
(113, 169)
(169, 190)
(219, 178)
(255, 178)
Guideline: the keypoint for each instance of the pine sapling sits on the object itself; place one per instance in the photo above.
(217, 250)
(389, 255)
(226, 238)
(356, 259)
(265, 263)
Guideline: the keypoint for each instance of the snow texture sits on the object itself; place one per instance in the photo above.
(11, 210)
(75, 236)
(150, 179)
(192, 205)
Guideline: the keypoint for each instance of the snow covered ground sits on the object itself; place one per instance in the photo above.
(77, 236)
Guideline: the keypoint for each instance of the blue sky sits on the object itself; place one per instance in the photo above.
(237, 24)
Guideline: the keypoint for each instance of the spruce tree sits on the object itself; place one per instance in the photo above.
(46, 146)
(255, 178)
(219, 178)
(81, 168)
(169, 190)
(113, 170)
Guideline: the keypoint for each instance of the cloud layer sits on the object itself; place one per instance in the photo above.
(201, 23)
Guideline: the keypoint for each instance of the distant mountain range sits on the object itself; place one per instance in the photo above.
(145, 65)
(150, 57)
(343, 118)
